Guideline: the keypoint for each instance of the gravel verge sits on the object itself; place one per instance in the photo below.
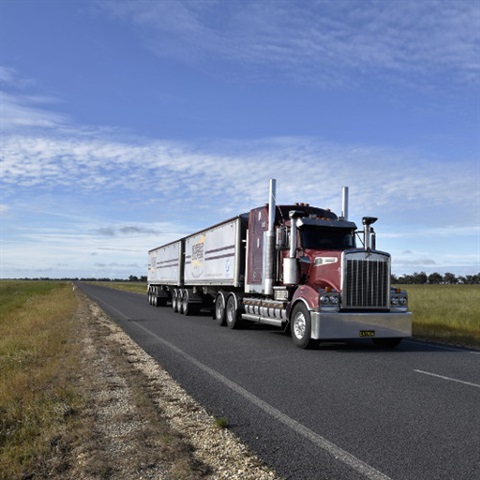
(139, 423)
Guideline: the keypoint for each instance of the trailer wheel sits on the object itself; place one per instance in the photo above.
(232, 312)
(176, 300)
(154, 298)
(186, 307)
(301, 326)
(149, 297)
(219, 315)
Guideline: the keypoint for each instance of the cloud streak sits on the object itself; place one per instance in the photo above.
(387, 178)
(175, 189)
(318, 42)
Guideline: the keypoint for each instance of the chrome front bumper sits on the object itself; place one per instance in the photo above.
(339, 325)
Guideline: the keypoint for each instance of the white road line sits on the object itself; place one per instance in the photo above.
(448, 378)
(337, 452)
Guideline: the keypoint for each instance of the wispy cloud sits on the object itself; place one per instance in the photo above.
(9, 77)
(319, 42)
(89, 177)
(129, 230)
(25, 111)
(306, 168)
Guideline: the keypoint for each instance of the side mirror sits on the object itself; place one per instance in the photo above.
(369, 220)
(281, 238)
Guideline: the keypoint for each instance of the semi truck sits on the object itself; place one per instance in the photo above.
(295, 267)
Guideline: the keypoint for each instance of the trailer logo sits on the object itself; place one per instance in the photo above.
(198, 257)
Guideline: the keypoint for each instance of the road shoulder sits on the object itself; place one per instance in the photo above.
(139, 422)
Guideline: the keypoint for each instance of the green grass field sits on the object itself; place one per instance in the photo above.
(446, 313)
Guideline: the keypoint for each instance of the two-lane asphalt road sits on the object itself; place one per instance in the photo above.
(342, 411)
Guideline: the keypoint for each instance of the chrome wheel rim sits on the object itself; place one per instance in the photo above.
(219, 309)
(299, 325)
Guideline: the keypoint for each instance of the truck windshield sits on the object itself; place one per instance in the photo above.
(321, 238)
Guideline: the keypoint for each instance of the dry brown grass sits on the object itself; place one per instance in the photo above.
(37, 360)
(60, 376)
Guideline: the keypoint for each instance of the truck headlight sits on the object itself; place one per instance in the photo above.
(324, 300)
(399, 300)
(329, 300)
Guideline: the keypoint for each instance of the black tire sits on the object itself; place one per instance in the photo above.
(301, 326)
(150, 296)
(220, 309)
(387, 342)
(154, 298)
(186, 305)
(232, 312)
(175, 299)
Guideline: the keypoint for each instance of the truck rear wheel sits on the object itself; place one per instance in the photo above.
(219, 315)
(232, 312)
(186, 306)
(301, 326)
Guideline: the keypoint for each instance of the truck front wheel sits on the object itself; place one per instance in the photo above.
(301, 326)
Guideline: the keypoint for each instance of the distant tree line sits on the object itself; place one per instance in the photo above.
(131, 278)
(422, 278)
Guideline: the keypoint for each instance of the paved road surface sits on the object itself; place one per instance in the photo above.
(342, 411)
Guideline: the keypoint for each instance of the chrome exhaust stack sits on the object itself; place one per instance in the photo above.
(290, 265)
(368, 233)
(270, 241)
(344, 215)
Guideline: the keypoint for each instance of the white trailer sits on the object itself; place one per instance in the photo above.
(215, 256)
(165, 268)
(191, 271)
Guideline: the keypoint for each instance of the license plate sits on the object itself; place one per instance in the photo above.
(367, 333)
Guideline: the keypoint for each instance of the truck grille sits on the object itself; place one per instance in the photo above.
(366, 284)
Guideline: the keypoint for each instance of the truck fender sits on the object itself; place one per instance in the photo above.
(305, 294)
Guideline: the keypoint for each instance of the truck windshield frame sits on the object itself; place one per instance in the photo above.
(322, 238)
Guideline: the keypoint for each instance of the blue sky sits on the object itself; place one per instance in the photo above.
(127, 124)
